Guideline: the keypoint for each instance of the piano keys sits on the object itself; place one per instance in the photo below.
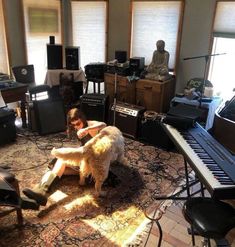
(213, 164)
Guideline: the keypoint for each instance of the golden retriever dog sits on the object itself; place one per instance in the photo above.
(95, 156)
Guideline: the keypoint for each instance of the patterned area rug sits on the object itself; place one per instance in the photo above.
(72, 216)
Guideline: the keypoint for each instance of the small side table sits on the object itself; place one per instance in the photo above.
(209, 107)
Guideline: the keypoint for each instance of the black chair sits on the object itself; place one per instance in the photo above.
(209, 218)
(24, 74)
(9, 195)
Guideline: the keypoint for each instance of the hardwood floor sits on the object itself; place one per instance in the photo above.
(175, 231)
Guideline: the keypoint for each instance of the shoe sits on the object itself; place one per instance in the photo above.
(27, 203)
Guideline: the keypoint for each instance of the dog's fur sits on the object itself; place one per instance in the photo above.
(95, 156)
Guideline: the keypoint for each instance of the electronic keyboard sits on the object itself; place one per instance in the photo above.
(213, 164)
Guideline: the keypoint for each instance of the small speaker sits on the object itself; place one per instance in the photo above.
(52, 40)
(72, 55)
(95, 106)
(121, 56)
(50, 116)
(54, 56)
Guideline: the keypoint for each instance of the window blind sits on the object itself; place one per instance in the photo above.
(4, 66)
(89, 30)
(42, 19)
(152, 21)
(224, 24)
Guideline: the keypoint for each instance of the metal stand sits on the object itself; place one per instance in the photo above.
(205, 70)
(115, 98)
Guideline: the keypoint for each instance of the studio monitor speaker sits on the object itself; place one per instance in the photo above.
(72, 55)
(54, 56)
(121, 56)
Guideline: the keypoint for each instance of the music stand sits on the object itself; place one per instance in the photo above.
(207, 57)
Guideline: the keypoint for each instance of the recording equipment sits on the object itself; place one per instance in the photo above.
(95, 106)
(152, 132)
(121, 56)
(95, 70)
(52, 40)
(54, 56)
(137, 64)
(72, 55)
(127, 118)
(7, 125)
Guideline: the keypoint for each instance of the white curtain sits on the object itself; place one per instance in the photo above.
(4, 66)
(152, 21)
(42, 19)
(89, 30)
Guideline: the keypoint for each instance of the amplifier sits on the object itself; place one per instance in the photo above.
(152, 132)
(95, 106)
(127, 118)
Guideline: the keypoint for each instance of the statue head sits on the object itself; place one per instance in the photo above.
(160, 45)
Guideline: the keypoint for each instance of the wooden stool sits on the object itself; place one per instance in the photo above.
(95, 81)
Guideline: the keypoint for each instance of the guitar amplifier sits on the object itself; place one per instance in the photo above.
(127, 118)
(95, 106)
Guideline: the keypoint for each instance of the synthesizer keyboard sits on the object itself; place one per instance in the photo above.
(213, 164)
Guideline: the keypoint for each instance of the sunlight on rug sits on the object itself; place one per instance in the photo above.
(73, 216)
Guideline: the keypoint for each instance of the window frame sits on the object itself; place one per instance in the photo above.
(23, 24)
(106, 24)
(179, 33)
(6, 38)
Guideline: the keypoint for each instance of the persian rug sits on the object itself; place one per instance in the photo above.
(72, 216)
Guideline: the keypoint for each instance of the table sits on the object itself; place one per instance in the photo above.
(53, 76)
(210, 106)
(16, 92)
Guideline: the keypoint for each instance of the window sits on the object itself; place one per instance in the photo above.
(222, 65)
(4, 66)
(152, 21)
(89, 30)
(42, 19)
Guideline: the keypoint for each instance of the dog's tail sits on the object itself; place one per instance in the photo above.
(68, 154)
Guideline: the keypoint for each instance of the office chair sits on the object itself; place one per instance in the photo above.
(24, 74)
(209, 218)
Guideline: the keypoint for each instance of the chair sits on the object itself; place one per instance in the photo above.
(209, 218)
(95, 82)
(24, 74)
(9, 195)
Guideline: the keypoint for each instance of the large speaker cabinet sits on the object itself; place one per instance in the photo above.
(95, 106)
(72, 57)
(54, 56)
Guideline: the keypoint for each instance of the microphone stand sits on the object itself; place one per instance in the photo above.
(115, 96)
(207, 57)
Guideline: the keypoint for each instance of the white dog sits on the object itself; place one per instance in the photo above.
(95, 156)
